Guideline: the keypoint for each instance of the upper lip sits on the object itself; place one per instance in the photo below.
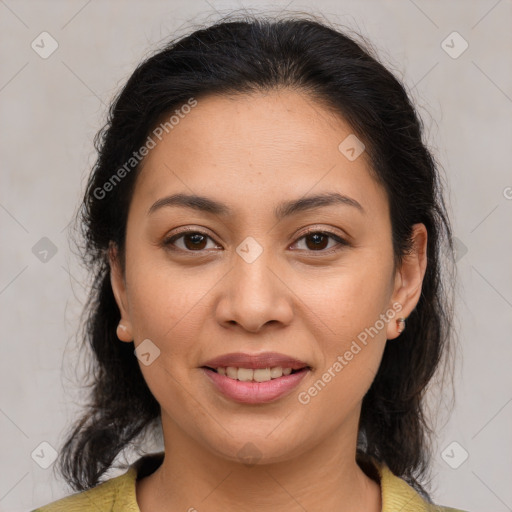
(255, 361)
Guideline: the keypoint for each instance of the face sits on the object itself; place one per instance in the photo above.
(257, 275)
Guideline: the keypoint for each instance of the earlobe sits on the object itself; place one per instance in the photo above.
(409, 280)
(124, 329)
(124, 332)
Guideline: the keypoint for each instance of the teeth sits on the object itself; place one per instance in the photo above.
(245, 374)
(258, 375)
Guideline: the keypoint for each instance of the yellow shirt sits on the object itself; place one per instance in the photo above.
(118, 494)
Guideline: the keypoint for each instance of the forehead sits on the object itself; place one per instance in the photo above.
(263, 145)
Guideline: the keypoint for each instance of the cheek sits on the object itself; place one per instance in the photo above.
(353, 308)
(352, 344)
(164, 301)
(349, 299)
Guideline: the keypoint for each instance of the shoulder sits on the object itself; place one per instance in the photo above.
(116, 494)
(397, 494)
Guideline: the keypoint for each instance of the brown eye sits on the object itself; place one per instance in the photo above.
(318, 241)
(192, 241)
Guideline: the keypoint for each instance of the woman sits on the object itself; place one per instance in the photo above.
(265, 226)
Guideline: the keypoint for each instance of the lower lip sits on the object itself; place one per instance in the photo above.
(255, 392)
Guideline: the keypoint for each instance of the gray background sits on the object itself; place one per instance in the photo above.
(50, 110)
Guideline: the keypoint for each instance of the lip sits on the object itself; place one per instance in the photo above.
(256, 361)
(255, 392)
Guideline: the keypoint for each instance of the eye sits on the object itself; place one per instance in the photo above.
(318, 241)
(192, 241)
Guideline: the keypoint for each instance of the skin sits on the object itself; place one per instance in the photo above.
(251, 153)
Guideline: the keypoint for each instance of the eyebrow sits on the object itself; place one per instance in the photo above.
(284, 209)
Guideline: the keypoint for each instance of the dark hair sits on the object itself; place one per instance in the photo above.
(243, 56)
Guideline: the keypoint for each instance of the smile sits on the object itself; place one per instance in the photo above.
(254, 386)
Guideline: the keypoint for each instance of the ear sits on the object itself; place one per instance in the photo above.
(124, 329)
(409, 278)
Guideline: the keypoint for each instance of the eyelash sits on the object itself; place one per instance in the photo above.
(168, 242)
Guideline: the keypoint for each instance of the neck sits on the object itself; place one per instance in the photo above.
(325, 477)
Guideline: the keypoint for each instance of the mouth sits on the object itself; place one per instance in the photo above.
(254, 386)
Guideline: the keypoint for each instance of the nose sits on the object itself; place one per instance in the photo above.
(255, 294)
